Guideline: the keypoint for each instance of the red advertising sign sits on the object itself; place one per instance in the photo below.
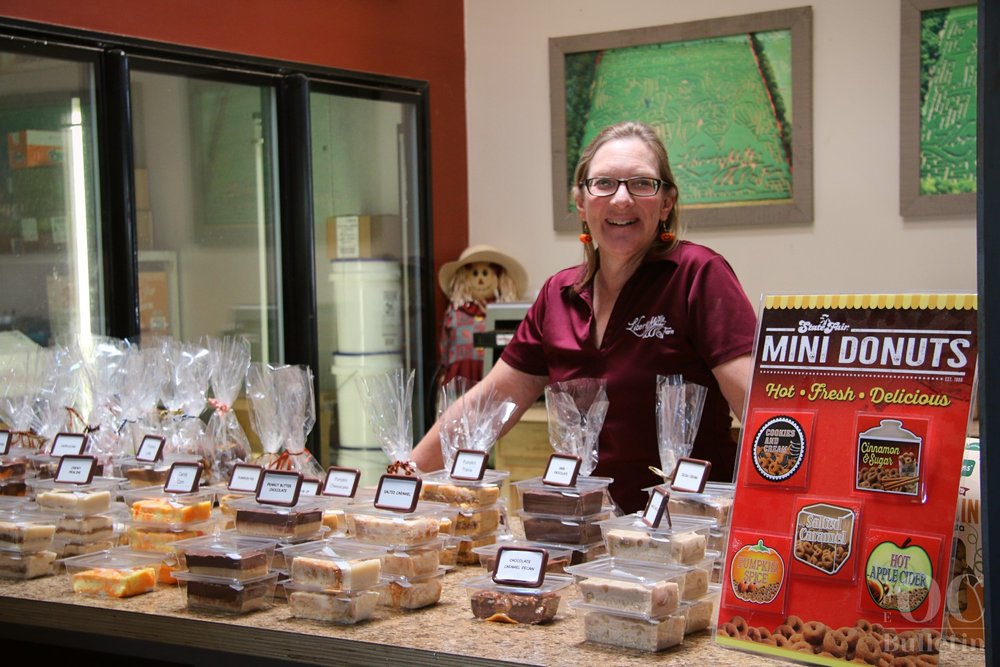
(848, 477)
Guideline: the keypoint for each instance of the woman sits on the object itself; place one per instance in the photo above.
(644, 304)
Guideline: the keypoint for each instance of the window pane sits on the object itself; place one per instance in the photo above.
(206, 210)
(365, 291)
(50, 257)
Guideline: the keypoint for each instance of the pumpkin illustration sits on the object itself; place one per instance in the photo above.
(756, 573)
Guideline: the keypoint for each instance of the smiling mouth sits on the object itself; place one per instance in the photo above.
(622, 223)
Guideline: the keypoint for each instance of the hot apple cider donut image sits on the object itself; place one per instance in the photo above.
(864, 642)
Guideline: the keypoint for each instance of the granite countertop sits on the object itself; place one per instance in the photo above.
(445, 634)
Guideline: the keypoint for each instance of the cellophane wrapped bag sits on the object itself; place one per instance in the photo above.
(679, 406)
(184, 397)
(387, 399)
(283, 412)
(470, 422)
(230, 360)
(576, 410)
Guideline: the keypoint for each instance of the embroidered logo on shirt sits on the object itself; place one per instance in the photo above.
(654, 327)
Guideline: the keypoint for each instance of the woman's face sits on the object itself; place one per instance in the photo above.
(624, 226)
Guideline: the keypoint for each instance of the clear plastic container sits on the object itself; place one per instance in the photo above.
(228, 555)
(87, 529)
(226, 595)
(116, 574)
(340, 565)
(340, 607)
(388, 528)
(698, 577)
(441, 487)
(683, 542)
(27, 565)
(562, 529)
(415, 561)
(304, 519)
(714, 502)
(412, 592)
(160, 538)
(461, 550)
(140, 474)
(25, 529)
(632, 632)
(479, 521)
(644, 590)
(701, 612)
(585, 498)
(75, 499)
(12, 468)
(519, 604)
(153, 505)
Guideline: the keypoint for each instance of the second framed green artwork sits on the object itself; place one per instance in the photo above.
(730, 98)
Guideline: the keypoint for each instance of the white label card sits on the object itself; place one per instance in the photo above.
(245, 478)
(520, 566)
(183, 477)
(656, 507)
(310, 487)
(68, 443)
(469, 464)
(690, 475)
(341, 482)
(150, 449)
(562, 470)
(279, 487)
(4, 442)
(76, 469)
(398, 492)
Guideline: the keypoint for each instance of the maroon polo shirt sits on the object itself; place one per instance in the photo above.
(682, 314)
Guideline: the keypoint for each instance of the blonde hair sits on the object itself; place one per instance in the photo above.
(626, 130)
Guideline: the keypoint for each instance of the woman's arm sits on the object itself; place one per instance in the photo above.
(522, 388)
(733, 377)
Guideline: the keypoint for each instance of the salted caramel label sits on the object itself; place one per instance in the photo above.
(824, 535)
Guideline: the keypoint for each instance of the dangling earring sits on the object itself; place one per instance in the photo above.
(666, 235)
(585, 237)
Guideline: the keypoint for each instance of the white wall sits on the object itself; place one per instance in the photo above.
(857, 243)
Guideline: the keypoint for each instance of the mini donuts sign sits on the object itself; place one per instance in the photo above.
(853, 440)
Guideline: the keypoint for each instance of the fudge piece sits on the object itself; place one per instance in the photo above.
(459, 495)
(83, 530)
(336, 574)
(477, 522)
(412, 563)
(335, 520)
(140, 477)
(687, 548)
(333, 607)
(563, 503)
(166, 510)
(12, 470)
(696, 583)
(114, 583)
(222, 563)
(159, 540)
(229, 596)
(411, 594)
(635, 633)
(699, 615)
(715, 507)
(560, 531)
(390, 530)
(25, 537)
(79, 502)
(269, 523)
(26, 566)
(653, 601)
(66, 549)
(465, 553)
(14, 487)
(510, 607)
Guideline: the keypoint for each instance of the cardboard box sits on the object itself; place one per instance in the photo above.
(35, 148)
(142, 189)
(154, 302)
(144, 229)
(964, 614)
(356, 236)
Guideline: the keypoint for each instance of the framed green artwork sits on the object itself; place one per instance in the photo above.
(731, 98)
(937, 124)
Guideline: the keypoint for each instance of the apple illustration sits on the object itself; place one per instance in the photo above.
(899, 576)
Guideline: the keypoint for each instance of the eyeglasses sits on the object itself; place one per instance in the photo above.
(637, 186)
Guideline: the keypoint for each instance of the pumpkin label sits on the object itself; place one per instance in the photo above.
(757, 573)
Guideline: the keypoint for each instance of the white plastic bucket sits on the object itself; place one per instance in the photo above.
(352, 415)
(367, 299)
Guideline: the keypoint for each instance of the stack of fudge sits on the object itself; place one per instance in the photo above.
(227, 572)
(89, 518)
(478, 516)
(26, 537)
(565, 516)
